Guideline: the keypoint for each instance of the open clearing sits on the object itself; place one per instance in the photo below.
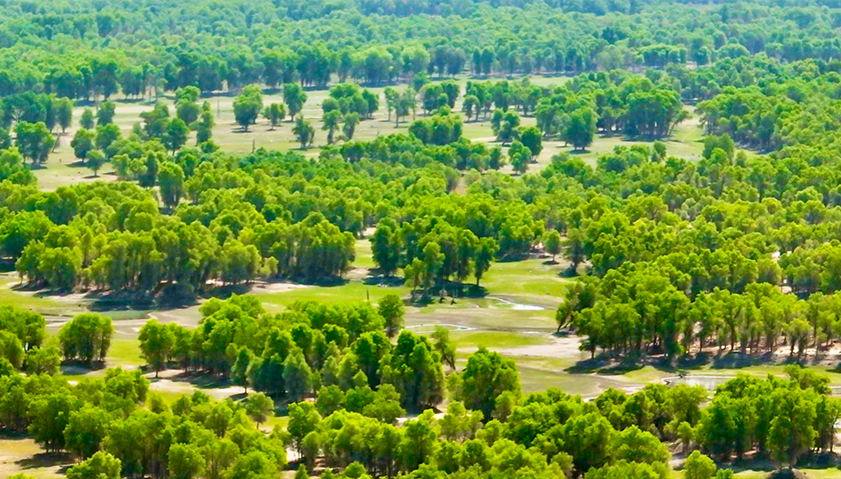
(63, 168)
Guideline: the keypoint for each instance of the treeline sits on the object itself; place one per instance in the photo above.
(489, 428)
(726, 239)
(246, 217)
(311, 347)
(227, 47)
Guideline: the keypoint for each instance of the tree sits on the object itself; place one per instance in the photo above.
(156, 343)
(532, 138)
(552, 243)
(349, 127)
(581, 128)
(86, 430)
(50, 415)
(46, 360)
(86, 337)
(303, 419)
(82, 143)
(86, 121)
(171, 181)
(330, 123)
(486, 376)
(239, 370)
(294, 96)
(101, 466)
(297, 375)
(105, 113)
(34, 140)
(391, 309)
(304, 132)
(275, 113)
(484, 257)
(247, 107)
(185, 461)
(792, 430)
(259, 407)
(106, 135)
(64, 113)
(95, 160)
(699, 466)
(204, 126)
(176, 135)
(444, 346)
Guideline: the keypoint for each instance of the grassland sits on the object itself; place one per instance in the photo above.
(63, 169)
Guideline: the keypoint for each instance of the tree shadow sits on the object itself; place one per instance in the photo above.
(46, 459)
(380, 280)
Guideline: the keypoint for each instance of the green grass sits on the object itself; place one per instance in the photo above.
(26, 300)
(124, 353)
(494, 339)
(23, 455)
(364, 256)
(529, 278)
(63, 169)
(347, 292)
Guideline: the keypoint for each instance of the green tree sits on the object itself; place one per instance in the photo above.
(330, 123)
(86, 121)
(297, 375)
(239, 370)
(171, 182)
(582, 128)
(444, 346)
(792, 430)
(275, 113)
(699, 466)
(86, 430)
(303, 419)
(185, 461)
(86, 337)
(532, 138)
(64, 113)
(156, 344)
(247, 107)
(46, 360)
(552, 243)
(34, 140)
(100, 466)
(49, 415)
(391, 309)
(95, 160)
(294, 96)
(105, 113)
(349, 126)
(304, 132)
(259, 407)
(106, 135)
(82, 143)
(486, 376)
(176, 135)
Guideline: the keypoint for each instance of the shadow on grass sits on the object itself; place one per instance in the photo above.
(47, 459)
(605, 364)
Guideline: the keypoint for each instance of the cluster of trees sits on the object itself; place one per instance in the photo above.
(739, 249)
(236, 225)
(311, 347)
(22, 343)
(239, 44)
(117, 428)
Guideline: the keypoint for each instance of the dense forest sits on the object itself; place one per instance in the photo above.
(670, 260)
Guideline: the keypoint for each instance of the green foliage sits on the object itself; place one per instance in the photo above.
(100, 466)
(87, 337)
(247, 106)
(486, 376)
